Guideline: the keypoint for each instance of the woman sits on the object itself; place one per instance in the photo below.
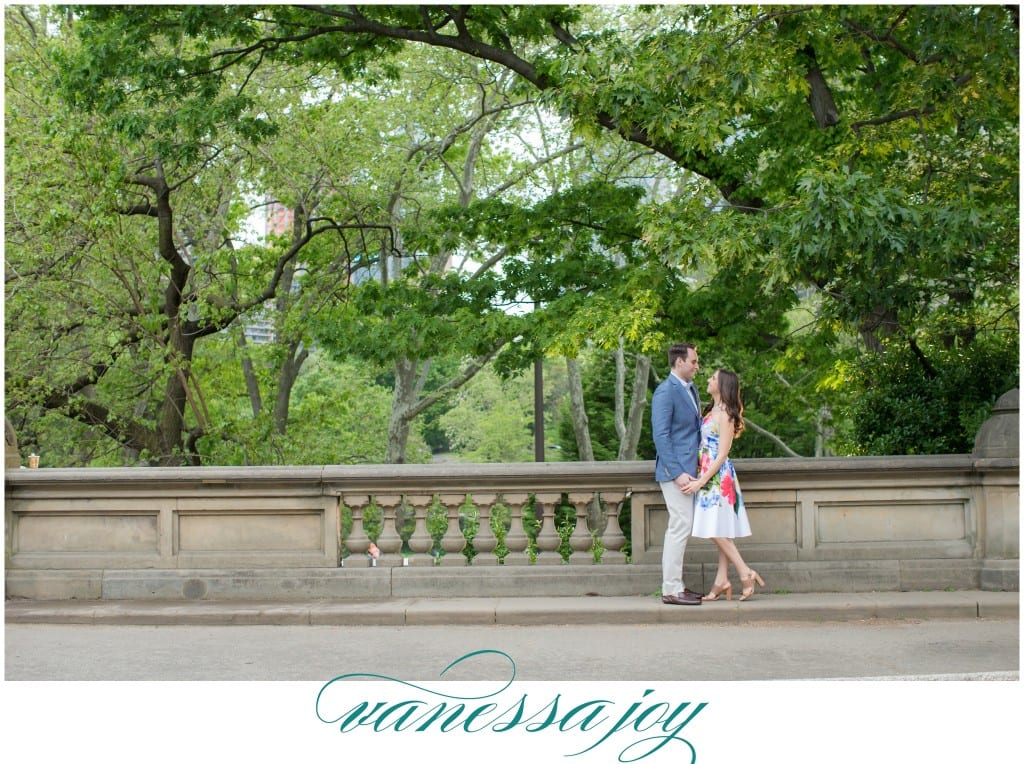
(719, 513)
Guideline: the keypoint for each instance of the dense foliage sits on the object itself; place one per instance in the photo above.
(905, 407)
(824, 198)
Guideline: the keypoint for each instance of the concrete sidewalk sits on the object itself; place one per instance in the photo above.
(523, 611)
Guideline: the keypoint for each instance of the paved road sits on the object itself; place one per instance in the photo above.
(650, 668)
(942, 649)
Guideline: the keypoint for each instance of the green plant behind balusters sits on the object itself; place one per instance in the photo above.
(373, 520)
(565, 524)
(531, 527)
(347, 521)
(405, 523)
(437, 527)
(469, 523)
(597, 548)
(501, 522)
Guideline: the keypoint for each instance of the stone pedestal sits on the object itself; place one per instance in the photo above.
(997, 459)
(999, 436)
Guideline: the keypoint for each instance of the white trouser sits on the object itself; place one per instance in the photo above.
(680, 523)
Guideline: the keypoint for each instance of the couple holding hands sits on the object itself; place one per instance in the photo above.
(696, 476)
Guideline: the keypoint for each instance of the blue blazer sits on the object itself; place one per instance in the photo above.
(676, 425)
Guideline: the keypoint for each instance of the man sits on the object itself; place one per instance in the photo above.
(675, 417)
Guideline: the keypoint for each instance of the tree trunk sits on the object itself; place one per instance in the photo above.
(170, 425)
(580, 424)
(252, 385)
(408, 385)
(294, 358)
(620, 392)
(295, 353)
(823, 106)
(822, 431)
(878, 325)
(410, 376)
(630, 439)
(179, 343)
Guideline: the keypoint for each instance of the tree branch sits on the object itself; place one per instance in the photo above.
(929, 370)
(896, 116)
(764, 18)
(885, 39)
(453, 384)
(771, 436)
(357, 23)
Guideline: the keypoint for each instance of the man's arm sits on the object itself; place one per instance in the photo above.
(661, 424)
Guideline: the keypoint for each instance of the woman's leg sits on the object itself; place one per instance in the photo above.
(747, 574)
(722, 585)
(722, 574)
(728, 552)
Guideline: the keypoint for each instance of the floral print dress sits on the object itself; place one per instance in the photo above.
(718, 507)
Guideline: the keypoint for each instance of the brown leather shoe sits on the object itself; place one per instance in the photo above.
(685, 598)
(690, 591)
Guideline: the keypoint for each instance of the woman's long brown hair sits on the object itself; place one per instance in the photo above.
(729, 392)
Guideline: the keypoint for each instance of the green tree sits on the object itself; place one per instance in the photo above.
(491, 419)
(338, 413)
(905, 406)
(598, 374)
(125, 239)
(864, 157)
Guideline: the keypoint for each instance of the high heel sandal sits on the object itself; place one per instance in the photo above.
(717, 590)
(748, 584)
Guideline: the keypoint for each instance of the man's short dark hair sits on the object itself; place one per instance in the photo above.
(679, 350)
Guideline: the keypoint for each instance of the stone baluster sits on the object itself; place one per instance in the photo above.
(613, 539)
(453, 542)
(357, 542)
(581, 539)
(548, 540)
(420, 542)
(389, 542)
(485, 541)
(516, 539)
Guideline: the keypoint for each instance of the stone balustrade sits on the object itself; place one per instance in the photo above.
(834, 524)
(479, 514)
(483, 528)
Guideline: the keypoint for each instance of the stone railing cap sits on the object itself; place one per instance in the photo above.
(999, 436)
(1008, 402)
